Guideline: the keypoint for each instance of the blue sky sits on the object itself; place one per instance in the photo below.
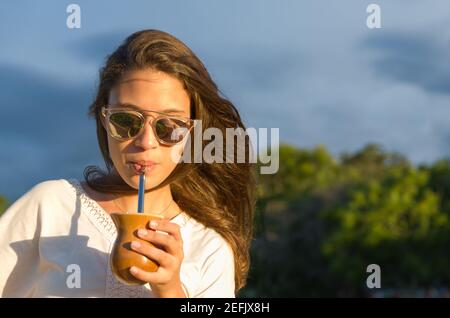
(312, 68)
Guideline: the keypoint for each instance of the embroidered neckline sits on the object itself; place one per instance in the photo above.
(104, 223)
(101, 219)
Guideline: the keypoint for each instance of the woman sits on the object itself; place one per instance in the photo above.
(56, 239)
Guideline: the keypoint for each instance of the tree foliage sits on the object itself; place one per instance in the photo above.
(321, 221)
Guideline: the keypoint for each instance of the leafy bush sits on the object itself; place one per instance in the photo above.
(320, 221)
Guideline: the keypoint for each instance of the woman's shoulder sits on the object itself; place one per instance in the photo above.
(45, 192)
(40, 202)
(48, 189)
(46, 185)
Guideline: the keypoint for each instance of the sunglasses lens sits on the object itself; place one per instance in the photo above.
(170, 130)
(124, 125)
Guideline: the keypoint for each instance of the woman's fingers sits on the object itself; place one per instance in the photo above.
(166, 241)
(163, 244)
(165, 225)
(153, 253)
(149, 277)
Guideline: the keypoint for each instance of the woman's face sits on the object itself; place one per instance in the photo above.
(150, 90)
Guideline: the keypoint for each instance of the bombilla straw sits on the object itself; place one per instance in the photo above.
(141, 191)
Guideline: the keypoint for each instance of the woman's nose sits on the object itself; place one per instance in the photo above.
(146, 138)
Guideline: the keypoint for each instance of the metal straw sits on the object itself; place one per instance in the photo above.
(141, 191)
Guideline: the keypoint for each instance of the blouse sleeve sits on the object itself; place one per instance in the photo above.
(217, 272)
(19, 253)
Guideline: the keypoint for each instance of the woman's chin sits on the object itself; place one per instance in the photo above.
(133, 181)
(153, 177)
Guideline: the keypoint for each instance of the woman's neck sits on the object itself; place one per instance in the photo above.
(158, 202)
(155, 201)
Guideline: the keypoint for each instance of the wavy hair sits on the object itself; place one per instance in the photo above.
(218, 195)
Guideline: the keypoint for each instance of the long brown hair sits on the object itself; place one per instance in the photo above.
(218, 195)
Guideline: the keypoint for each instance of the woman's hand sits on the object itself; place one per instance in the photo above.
(167, 252)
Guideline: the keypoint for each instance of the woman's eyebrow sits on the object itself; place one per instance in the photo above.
(167, 110)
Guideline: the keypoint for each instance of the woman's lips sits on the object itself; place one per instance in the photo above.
(137, 168)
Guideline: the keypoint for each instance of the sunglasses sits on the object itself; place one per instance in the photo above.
(125, 124)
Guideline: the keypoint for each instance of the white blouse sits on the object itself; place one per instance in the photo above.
(55, 241)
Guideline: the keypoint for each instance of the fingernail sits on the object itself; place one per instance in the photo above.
(142, 232)
(133, 270)
(153, 224)
(135, 244)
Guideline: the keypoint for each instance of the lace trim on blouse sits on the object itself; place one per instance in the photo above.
(104, 223)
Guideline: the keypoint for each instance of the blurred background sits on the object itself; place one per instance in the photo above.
(364, 119)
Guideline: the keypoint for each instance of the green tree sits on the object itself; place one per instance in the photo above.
(440, 182)
(321, 221)
(387, 222)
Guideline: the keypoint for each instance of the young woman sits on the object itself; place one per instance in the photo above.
(55, 241)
